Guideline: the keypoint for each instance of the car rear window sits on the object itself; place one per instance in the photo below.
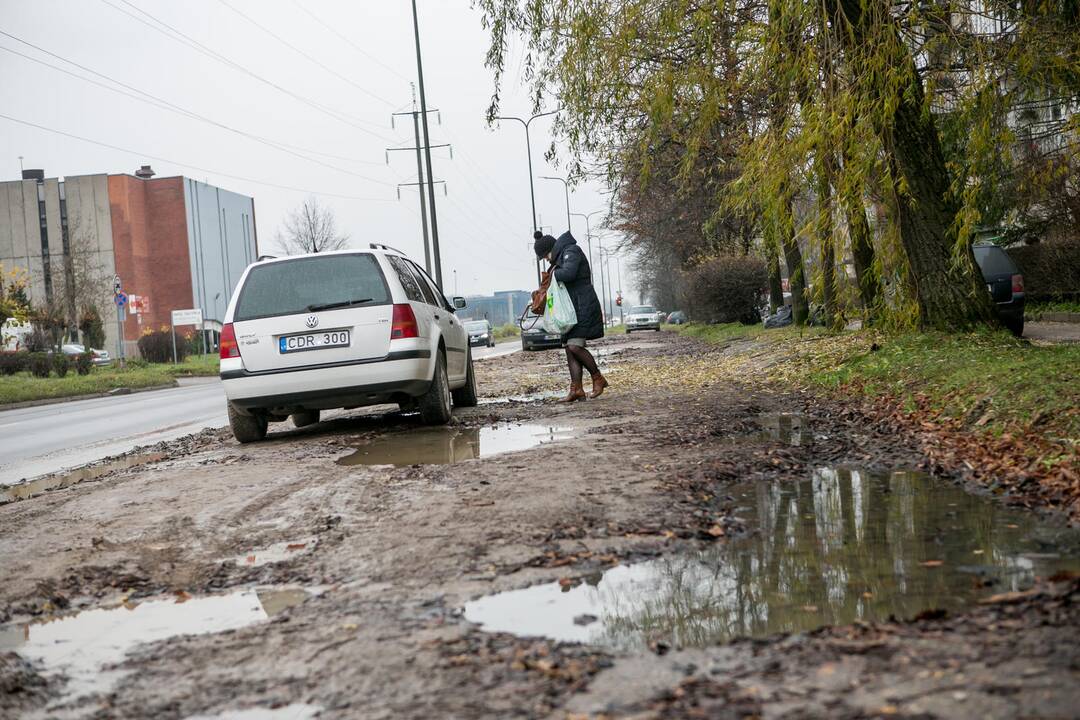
(994, 261)
(292, 286)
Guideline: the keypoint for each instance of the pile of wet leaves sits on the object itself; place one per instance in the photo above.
(542, 671)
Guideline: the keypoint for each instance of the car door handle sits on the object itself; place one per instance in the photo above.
(437, 316)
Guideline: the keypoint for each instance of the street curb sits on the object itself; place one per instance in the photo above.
(1061, 317)
(92, 396)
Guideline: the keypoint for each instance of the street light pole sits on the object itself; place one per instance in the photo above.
(566, 189)
(603, 284)
(528, 150)
(588, 235)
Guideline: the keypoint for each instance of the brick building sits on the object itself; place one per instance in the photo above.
(177, 242)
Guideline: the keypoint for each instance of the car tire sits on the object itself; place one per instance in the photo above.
(465, 396)
(1016, 327)
(305, 418)
(435, 403)
(246, 427)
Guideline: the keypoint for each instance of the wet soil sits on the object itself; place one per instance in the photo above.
(397, 550)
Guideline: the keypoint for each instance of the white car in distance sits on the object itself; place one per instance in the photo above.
(643, 317)
(341, 329)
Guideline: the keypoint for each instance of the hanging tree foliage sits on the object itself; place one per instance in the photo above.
(910, 108)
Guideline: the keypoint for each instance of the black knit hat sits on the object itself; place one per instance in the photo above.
(543, 244)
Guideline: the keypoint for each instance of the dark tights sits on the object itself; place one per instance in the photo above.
(578, 357)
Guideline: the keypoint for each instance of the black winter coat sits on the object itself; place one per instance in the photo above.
(572, 270)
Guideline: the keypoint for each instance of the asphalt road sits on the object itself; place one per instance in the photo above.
(48, 439)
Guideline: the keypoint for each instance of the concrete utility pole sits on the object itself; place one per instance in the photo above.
(528, 149)
(603, 285)
(427, 149)
(419, 147)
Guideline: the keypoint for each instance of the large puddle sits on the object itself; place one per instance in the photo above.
(840, 547)
(82, 647)
(445, 445)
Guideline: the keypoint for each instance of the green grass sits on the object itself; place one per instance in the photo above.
(507, 331)
(988, 378)
(194, 365)
(23, 387)
(1035, 310)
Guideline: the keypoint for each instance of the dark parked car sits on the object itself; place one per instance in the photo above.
(677, 318)
(534, 337)
(1005, 283)
(480, 333)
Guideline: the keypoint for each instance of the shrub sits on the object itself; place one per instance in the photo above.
(84, 363)
(92, 328)
(1051, 270)
(725, 289)
(61, 363)
(40, 364)
(157, 346)
(37, 340)
(13, 362)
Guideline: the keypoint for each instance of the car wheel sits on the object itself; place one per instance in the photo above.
(435, 403)
(305, 418)
(246, 427)
(1016, 327)
(656, 329)
(465, 396)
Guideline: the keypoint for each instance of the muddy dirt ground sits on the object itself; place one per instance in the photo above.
(381, 561)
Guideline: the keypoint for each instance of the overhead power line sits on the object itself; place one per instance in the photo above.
(179, 37)
(188, 165)
(150, 99)
(306, 55)
(351, 44)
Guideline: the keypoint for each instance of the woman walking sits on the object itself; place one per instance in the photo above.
(571, 268)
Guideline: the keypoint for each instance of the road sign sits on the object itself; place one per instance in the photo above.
(121, 299)
(116, 285)
(187, 317)
(139, 303)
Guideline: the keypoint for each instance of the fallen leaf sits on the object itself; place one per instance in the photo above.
(296, 546)
(932, 563)
(716, 531)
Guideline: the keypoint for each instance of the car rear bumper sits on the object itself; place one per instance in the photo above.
(356, 384)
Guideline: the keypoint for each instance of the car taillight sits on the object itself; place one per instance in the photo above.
(1018, 283)
(227, 343)
(404, 325)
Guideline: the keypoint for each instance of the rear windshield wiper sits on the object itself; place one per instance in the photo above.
(341, 304)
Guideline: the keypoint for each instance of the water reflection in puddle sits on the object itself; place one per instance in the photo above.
(787, 429)
(295, 711)
(530, 397)
(277, 552)
(839, 547)
(445, 445)
(80, 647)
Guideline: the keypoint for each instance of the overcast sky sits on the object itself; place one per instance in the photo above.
(325, 87)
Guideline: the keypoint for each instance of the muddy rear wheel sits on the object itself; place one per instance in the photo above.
(465, 396)
(435, 403)
(246, 427)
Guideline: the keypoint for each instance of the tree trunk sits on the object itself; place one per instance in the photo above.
(949, 297)
(793, 259)
(862, 255)
(823, 170)
(772, 262)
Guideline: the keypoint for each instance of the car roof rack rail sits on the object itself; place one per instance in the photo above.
(380, 246)
(266, 257)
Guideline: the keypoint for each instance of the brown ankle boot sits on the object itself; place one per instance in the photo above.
(598, 385)
(576, 393)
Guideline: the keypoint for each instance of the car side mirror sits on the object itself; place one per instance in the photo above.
(459, 303)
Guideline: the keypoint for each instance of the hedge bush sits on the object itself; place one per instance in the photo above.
(40, 364)
(1051, 270)
(84, 363)
(61, 363)
(14, 362)
(157, 346)
(726, 289)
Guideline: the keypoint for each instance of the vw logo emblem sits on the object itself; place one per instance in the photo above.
(312, 321)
